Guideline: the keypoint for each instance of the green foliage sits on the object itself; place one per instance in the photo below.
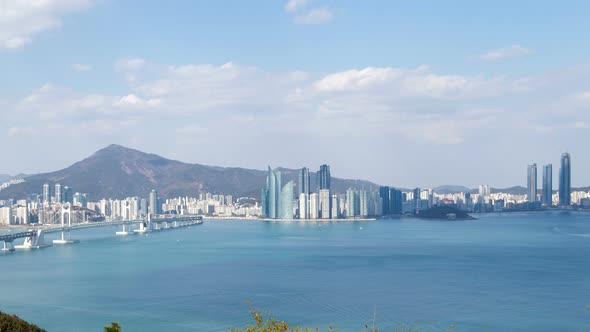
(265, 322)
(11, 323)
(114, 327)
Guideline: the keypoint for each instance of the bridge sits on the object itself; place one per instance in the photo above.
(35, 238)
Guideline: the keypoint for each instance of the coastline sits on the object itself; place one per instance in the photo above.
(287, 220)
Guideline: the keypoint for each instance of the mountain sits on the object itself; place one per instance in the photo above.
(119, 172)
(5, 177)
(451, 189)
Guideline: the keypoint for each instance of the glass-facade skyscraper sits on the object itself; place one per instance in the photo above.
(303, 183)
(323, 177)
(277, 201)
(286, 201)
(565, 181)
(531, 185)
(547, 193)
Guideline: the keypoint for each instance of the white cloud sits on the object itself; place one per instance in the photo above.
(315, 16)
(418, 111)
(295, 5)
(132, 100)
(81, 67)
(20, 20)
(513, 51)
(130, 64)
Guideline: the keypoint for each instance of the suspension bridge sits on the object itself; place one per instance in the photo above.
(35, 238)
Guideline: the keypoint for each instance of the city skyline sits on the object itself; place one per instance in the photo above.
(392, 112)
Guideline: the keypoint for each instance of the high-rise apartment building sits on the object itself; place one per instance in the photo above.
(335, 207)
(547, 193)
(325, 200)
(303, 206)
(58, 197)
(531, 185)
(46, 194)
(154, 206)
(314, 206)
(565, 181)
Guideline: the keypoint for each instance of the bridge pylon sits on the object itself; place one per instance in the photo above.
(66, 211)
(36, 241)
(8, 246)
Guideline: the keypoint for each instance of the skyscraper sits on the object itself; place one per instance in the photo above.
(286, 201)
(384, 194)
(277, 201)
(313, 206)
(58, 197)
(565, 181)
(325, 199)
(303, 183)
(323, 177)
(303, 206)
(335, 207)
(271, 194)
(547, 193)
(154, 207)
(395, 201)
(417, 192)
(68, 195)
(46, 194)
(531, 185)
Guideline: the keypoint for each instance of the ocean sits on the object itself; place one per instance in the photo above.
(501, 272)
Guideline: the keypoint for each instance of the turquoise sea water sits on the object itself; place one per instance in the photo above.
(511, 272)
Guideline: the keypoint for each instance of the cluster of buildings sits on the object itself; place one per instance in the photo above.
(546, 197)
(45, 208)
(299, 201)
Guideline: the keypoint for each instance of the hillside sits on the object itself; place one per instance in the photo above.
(119, 172)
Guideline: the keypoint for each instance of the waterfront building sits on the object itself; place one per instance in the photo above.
(323, 177)
(417, 198)
(547, 193)
(352, 203)
(286, 201)
(271, 194)
(532, 183)
(565, 181)
(385, 196)
(363, 204)
(303, 183)
(325, 199)
(335, 207)
(314, 206)
(303, 206)
(395, 203)
(46, 195)
(58, 197)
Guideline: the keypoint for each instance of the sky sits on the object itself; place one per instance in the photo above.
(402, 93)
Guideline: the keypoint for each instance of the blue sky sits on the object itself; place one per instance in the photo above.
(418, 93)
